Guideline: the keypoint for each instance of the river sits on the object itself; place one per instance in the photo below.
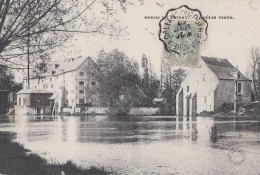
(143, 145)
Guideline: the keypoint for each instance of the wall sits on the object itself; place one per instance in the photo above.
(91, 73)
(225, 93)
(203, 82)
(39, 100)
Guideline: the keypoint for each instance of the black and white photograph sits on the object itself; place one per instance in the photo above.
(129, 87)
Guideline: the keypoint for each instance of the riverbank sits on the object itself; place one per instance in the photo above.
(15, 159)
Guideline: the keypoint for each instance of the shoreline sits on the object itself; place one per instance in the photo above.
(15, 159)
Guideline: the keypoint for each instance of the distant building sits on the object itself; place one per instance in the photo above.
(72, 83)
(212, 87)
(3, 89)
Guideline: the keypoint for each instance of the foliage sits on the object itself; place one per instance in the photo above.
(118, 82)
(149, 82)
(8, 82)
(254, 69)
(172, 79)
(35, 28)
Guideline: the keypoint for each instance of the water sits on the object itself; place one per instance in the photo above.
(143, 145)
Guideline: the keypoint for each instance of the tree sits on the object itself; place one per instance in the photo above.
(172, 79)
(254, 69)
(118, 84)
(30, 29)
(8, 89)
(149, 81)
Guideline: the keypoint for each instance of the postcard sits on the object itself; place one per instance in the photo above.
(131, 87)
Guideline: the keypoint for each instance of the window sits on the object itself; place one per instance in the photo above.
(239, 88)
(205, 99)
(81, 74)
(93, 83)
(43, 86)
(20, 101)
(81, 91)
(188, 88)
(81, 101)
(238, 75)
(67, 101)
(204, 79)
(50, 79)
(81, 83)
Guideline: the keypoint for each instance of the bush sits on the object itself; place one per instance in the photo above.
(64, 113)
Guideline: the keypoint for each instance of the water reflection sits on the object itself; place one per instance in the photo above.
(140, 145)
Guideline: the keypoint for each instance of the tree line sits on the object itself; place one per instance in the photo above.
(253, 72)
(123, 86)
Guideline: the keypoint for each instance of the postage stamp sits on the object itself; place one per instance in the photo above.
(182, 31)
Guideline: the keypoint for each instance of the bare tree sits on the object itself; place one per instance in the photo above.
(31, 29)
(35, 26)
(254, 70)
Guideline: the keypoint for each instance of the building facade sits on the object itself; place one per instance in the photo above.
(72, 83)
(216, 84)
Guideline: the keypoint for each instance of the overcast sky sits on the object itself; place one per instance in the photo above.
(227, 38)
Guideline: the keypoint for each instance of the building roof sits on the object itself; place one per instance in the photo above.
(222, 68)
(71, 64)
(64, 66)
(30, 91)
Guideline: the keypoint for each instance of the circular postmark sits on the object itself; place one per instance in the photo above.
(236, 156)
(182, 31)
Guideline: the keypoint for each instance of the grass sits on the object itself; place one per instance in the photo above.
(15, 159)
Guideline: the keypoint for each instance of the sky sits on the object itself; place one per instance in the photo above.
(227, 38)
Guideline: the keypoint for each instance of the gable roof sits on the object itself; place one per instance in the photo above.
(222, 68)
(64, 66)
(71, 65)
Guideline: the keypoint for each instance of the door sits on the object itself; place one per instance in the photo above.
(188, 107)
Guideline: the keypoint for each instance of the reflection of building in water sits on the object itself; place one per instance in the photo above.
(212, 87)
(186, 127)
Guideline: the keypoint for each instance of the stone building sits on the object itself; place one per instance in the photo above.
(72, 83)
(215, 85)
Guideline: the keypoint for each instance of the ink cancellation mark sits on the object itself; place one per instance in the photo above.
(182, 32)
(236, 156)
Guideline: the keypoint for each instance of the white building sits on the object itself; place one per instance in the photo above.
(72, 83)
(215, 85)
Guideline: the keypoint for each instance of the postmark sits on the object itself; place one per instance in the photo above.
(236, 156)
(182, 31)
